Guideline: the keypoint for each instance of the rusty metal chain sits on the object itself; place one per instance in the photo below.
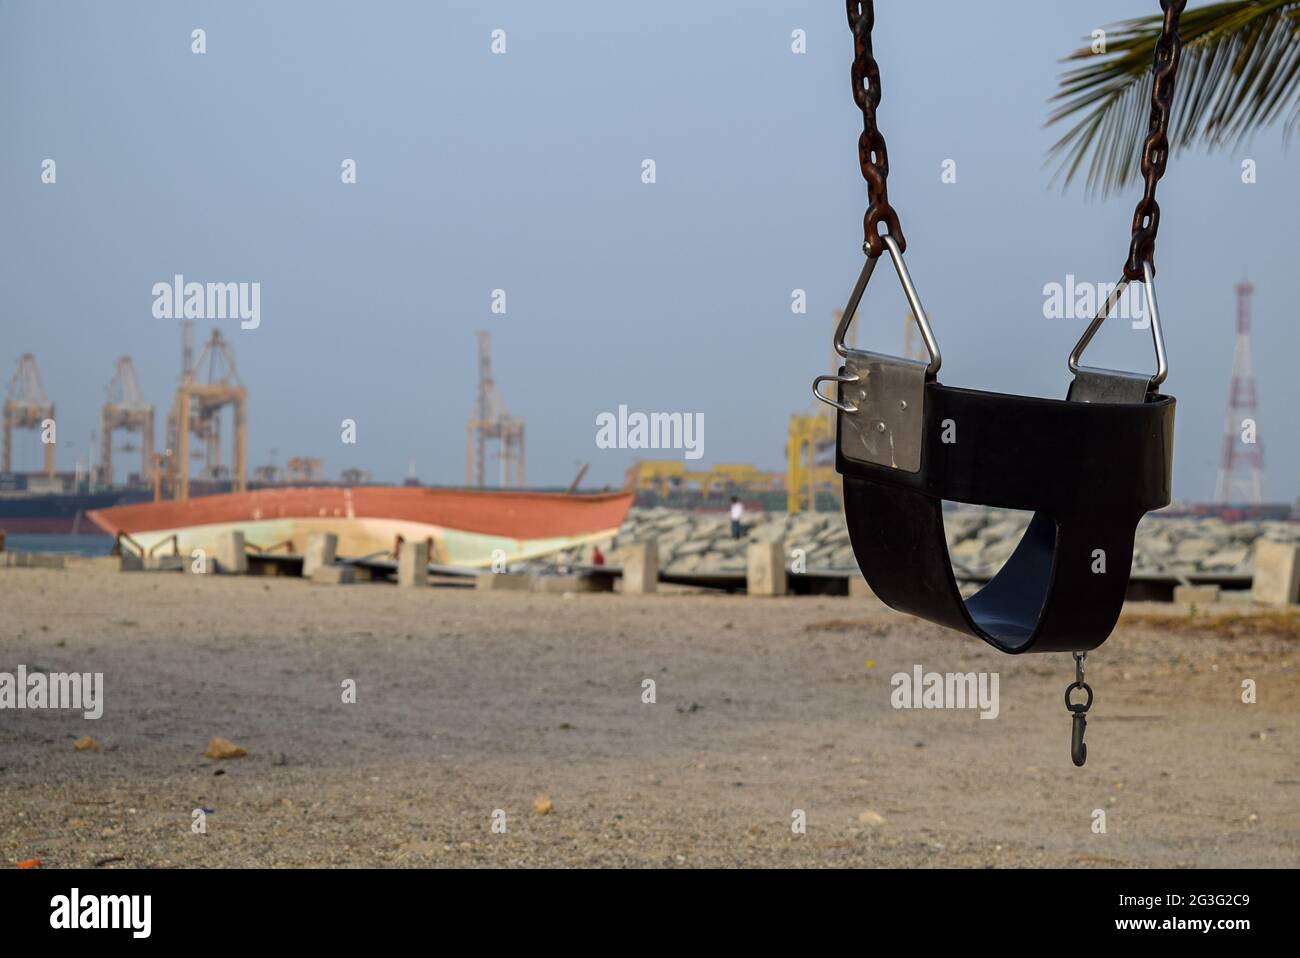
(871, 145)
(1155, 150)
(874, 159)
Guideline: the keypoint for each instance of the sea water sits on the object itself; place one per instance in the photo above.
(82, 545)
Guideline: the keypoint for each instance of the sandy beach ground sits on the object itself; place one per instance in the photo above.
(468, 703)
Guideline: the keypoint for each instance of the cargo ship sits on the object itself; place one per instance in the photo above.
(60, 513)
(39, 504)
(471, 528)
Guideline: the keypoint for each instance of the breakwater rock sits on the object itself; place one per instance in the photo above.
(979, 541)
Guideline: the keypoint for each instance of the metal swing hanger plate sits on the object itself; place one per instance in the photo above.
(889, 393)
(882, 398)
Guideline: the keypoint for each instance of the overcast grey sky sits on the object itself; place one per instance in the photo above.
(523, 172)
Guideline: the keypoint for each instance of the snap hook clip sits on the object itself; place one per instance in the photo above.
(1078, 750)
(1078, 712)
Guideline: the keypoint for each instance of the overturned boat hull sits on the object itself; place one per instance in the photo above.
(469, 528)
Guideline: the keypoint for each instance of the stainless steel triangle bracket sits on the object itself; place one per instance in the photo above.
(1109, 385)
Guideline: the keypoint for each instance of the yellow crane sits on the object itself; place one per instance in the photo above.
(809, 453)
(665, 476)
(810, 449)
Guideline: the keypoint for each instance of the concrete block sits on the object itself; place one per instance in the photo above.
(167, 563)
(231, 557)
(558, 584)
(336, 574)
(1196, 594)
(503, 582)
(130, 562)
(641, 568)
(1277, 573)
(209, 565)
(322, 549)
(765, 569)
(413, 565)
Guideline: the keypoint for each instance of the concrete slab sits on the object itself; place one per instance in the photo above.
(640, 568)
(232, 557)
(1277, 573)
(322, 549)
(413, 565)
(336, 574)
(503, 582)
(1196, 594)
(765, 573)
(557, 584)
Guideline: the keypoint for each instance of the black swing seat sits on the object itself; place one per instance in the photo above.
(1088, 467)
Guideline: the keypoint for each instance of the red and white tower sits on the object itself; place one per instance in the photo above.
(1241, 471)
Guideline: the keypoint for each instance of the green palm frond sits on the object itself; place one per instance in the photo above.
(1240, 72)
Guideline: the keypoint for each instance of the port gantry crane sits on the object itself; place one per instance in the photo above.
(27, 407)
(492, 421)
(197, 412)
(125, 408)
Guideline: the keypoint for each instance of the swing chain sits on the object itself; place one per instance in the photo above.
(1078, 711)
(1155, 149)
(872, 156)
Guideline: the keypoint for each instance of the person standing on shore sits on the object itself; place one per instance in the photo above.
(737, 513)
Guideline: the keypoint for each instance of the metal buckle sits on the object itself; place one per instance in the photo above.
(1102, 385)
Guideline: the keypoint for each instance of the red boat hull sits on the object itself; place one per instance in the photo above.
(467, 527)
